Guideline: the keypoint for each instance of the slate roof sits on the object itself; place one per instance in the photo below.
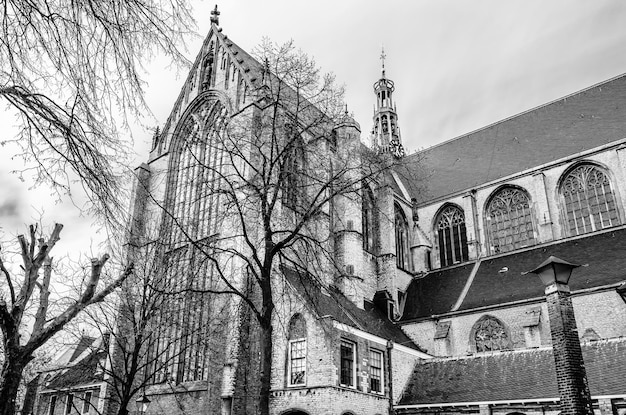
(602, 255)
(335, 305)
(527, 374)
(582, 121)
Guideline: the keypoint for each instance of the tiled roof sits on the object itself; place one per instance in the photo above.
(83, 372)
(601, 254)
(528, 374)
(334, 304)
(579, 122)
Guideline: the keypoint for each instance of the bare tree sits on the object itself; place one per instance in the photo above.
(23, 336)
(267, 184)
(146, 311)
(69, 70)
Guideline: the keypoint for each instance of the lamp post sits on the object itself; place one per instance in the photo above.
(142, 404)
(575, 398)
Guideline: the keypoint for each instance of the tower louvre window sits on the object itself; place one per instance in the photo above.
(451, 236)
(588, 200)
(509, 220)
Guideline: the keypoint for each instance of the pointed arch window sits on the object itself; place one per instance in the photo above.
(296, 359)
(403, 257)
(293, 167)
(588, 200)
(452, 236)
(509, 220)
(489, 334)
(368, 223)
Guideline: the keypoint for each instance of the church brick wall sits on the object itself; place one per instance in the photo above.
(601, 311)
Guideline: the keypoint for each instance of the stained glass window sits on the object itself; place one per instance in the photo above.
(452, 236)
(489, 335)
(509, 220)
(588, 200)
(403, 255)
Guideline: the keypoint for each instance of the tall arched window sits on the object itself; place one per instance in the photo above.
(296, 351)
(368, 223)
(509, 220)
(403, 256)
(589, 202)
(451, 235)
(293, 167)
(489, 334)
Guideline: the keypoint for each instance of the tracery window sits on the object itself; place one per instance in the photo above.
(368, 222)
(490, 335)
(509, 220)
(296, 353)
(293, 182)
(403, 255)
(452, 236)
(181, 345)
(588, 200)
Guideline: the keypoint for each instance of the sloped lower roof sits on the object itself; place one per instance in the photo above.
(528, 374)
(579, 122)
(82, 373)
(601, 254)
(338, 307)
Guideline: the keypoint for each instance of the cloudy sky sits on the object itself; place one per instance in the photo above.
(457, 65)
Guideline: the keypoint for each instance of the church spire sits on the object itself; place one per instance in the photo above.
(385, 132)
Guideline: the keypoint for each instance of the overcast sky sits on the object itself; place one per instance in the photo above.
(457, 65)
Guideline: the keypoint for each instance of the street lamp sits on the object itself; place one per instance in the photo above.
(568, 357)
(142, 404)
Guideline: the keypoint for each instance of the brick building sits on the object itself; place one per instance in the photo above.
(428, 306)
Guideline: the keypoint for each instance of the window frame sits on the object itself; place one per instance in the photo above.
(69, 403)
(585, 204)
(52, 404)
(449, 257)
(402, 239)
(353, 377)
(381, 369)
(290, 361)
(86, 402)
(493, 231)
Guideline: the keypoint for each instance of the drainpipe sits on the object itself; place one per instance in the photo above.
(390, 376)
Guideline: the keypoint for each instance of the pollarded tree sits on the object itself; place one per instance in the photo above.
(258, 190)
(22, 332)
(68, 70)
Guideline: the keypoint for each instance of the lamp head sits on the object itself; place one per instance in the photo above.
(554, 270)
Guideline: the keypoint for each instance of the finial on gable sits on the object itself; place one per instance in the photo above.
(215, 16)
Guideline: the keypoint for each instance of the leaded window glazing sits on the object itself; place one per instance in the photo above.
(490, 335)
(403, 255)
(452, 236)
(180, 345)
(588, 200)
(509, 220)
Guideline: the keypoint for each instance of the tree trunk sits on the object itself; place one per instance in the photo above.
(10, 377)
(266, 365)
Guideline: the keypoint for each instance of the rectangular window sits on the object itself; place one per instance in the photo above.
(348, 364)
(297, 362)
(376, 371)
(53, 404)
(86, 402)
(69, 404)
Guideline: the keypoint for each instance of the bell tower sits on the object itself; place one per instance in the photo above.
(385, 132)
